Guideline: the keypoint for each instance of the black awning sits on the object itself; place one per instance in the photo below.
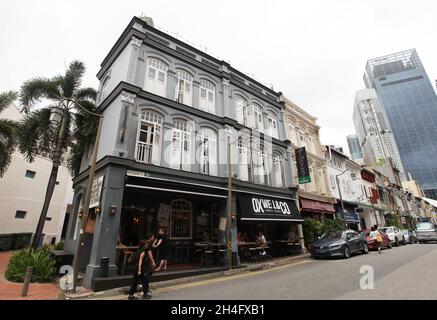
(262, 208)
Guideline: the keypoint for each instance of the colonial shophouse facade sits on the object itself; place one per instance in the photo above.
(314, 197)
(170, 111)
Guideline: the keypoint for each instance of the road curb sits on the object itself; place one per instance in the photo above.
(185, 280)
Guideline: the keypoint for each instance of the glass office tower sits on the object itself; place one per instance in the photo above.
(410, 103)
(355, 148)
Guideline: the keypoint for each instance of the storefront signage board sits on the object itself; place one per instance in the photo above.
(96, 191)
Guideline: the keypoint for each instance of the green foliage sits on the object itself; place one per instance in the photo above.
(40, 259)
(59, 245)
(311, 230)
(37, 134)
(331, 225)
(8, 130)
(392, 220)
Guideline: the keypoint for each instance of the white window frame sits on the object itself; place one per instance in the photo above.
(149, 151)
(208, 151)
(207, 96)
(182, 131)
(184, 87)
(258, 119)
(154, 84)
(301, 138)
(292, 132)
(278, 169)
(272, 124)
(241, 109)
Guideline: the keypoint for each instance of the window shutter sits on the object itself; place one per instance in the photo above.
(250, 117)
(186, 151)
(156, 149)
(176, 148)
(212, 155)
(178, 84)
(188, 93)
(203, 104)
(239, 109)
(243, 161)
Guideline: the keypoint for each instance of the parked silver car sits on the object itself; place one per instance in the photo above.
(426, 231)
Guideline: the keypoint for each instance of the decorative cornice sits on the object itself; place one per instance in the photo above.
(136, 42)
(128, 97)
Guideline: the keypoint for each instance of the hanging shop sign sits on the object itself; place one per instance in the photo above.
(303, 170)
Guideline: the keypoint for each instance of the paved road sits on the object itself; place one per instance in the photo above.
(406, 272)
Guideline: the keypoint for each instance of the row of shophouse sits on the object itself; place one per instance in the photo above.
(171, 113)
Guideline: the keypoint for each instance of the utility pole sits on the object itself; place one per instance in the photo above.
(341, 198)
(228, 229)
(76, 263)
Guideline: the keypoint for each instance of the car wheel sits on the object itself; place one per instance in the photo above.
(397, 243)
(365, 248)
(346, 253)
(389, 245)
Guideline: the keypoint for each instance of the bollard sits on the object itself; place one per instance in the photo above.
(27, 278)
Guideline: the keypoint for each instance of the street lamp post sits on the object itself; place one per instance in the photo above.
(341, 198)
(76, 262)
(228, 232)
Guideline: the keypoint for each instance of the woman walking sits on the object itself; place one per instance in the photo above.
(144, 265)
(161, 242)
(376, 235)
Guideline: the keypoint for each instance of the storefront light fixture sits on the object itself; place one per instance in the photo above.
(98, 210)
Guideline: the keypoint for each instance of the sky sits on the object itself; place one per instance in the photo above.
(313, 51)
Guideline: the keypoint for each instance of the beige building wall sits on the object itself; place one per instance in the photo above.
(21, 193)
(303, 131)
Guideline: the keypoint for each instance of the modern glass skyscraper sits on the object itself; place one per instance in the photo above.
(354, 148)
(410, 103)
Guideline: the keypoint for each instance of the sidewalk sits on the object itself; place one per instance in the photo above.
(11, 290)
(250, 267)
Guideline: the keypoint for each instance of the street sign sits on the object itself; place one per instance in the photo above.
(96, 191)
(303, 170)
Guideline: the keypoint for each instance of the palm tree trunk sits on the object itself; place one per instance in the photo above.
(52, 181)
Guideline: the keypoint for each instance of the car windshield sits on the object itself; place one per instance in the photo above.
(334, 235)
(424, 226)
(386, 230)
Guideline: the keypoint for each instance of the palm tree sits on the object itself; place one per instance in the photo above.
(63, 129)
(7, 132)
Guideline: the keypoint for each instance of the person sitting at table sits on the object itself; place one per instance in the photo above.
(262, 242)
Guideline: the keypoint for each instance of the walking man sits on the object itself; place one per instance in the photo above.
(144, 266)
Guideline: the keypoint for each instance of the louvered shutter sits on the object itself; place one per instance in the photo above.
(156, 144)
(176, 148)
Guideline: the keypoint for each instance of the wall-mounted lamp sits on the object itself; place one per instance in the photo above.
(113, 209)
(98, 210)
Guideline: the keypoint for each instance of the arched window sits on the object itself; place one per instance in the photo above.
(184, 87)
(278, 169)
(181, 145)
(181, 219)
(292, 132)
(244, 159)
(149, 138)
(272, 124)
(311, 143)
(207, 96)
(208, 151)
(156, 76)
(241, 110)
(261, 166)
(301, 137)
(255, 116)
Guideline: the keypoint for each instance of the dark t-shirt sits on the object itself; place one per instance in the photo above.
(145, 265)
(164, 241)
